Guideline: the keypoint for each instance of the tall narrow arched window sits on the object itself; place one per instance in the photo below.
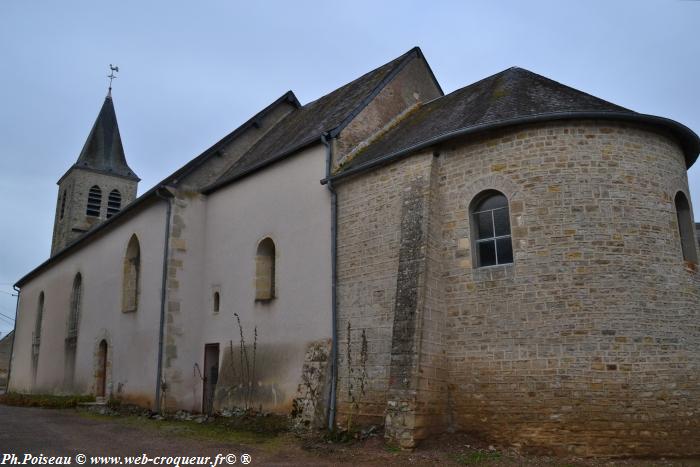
(114, 203)
(36, 337)
(74, 313)
(132, 274)
(63, 204)
(265, 270)
(39, 319)
(491, 232)
(94, 203)
(217, 302)
(685, 228)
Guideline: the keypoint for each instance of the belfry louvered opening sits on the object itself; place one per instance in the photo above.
(114, 203)
(94, 202)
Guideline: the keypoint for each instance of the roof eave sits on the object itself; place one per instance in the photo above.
(91, 234)
(103, 172)
(222, 183)
(689, 140)
(192, 165)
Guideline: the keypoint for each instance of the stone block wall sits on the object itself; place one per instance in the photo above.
(76, 185)
(387, 274)
(412, 85)
(589, 343)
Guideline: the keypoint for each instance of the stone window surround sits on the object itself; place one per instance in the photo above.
(213, 305)
(685, 226)
(131, 275)
(466, 241)
(265, 270)
(479, 198)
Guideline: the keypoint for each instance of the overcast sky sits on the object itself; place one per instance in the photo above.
(193, 71)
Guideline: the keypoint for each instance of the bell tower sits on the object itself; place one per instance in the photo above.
(98, 185)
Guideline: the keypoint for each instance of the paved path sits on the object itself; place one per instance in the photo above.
(66, 433)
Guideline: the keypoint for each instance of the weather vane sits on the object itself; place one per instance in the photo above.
(111, 76)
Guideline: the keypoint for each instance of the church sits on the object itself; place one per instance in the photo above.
(515, 259)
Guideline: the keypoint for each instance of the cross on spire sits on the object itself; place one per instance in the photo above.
(111, 76)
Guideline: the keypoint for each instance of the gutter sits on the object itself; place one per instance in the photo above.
(334, 286)
(690, 142)
(164, 194)
(12, 346)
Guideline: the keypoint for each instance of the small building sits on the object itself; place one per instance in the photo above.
(5, 351)
(516, 259)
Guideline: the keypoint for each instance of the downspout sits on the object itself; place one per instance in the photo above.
(164, 194)
(14, 337)
(334, 284)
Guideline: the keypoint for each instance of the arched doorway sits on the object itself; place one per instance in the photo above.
(101, 374)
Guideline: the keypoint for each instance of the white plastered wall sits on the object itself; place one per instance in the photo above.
(132, 337)
(287, 203)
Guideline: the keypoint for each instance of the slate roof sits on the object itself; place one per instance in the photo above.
(103, 150)
(512, 95)
(329, 114)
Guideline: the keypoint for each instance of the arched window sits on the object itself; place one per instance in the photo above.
(685, 228)
(63, 204)
(216, 303)
(132, 273)
(94, 202)
(39, 318)
(74, 314)
(114, 203)
(36, 337)
(101, 373)
(265, 270)
(491, 233)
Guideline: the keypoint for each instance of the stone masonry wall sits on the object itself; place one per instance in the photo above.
(382, 269)
(590, 342)
(412, 85)
(76, 185)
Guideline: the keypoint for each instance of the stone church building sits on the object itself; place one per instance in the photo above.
(515, 259)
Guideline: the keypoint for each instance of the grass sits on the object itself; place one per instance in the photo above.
(477, 457)
(392, 448)
(211, 430)
(45, 401)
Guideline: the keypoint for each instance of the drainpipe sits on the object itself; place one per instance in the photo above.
(334, 284)
(12, 346)
(164, 194)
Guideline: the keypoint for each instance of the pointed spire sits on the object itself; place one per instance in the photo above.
(103, 150)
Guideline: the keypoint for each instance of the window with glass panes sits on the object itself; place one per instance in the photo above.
(492, 225)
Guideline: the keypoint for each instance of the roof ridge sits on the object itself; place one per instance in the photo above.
(559, 83)
(401, 62)
(364, 75)
(394, 66)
